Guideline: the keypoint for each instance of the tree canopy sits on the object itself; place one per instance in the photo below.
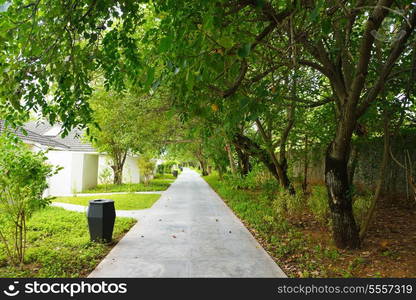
(250, 77)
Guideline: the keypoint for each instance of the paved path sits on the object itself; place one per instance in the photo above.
(188, 232)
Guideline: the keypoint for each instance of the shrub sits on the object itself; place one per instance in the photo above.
(361, 206)
(287, 205)
(269, 188)
(106, 177)
(146, 166)
(318, 204)
(23, 177)
(166, 167)
(161, 169)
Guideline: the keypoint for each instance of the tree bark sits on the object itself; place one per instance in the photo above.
(203, 167)
(118, 165)
(345, 230)
(305, 167)
(254, 150)
(118, 174)
(230, 158)
(280, 166)
(243, 162)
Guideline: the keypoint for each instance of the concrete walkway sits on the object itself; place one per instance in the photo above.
(189, 232)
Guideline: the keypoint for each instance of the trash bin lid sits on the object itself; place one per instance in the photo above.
(101, 201)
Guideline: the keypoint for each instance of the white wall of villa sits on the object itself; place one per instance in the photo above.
(80, 172)
(131, 171)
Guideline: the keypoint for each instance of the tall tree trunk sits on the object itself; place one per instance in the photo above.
(230, 158)
(243, 162)
(119, 159)
(345, 230)
(118, 174)
(254, 150)
(353, 162)
(280, 166)
(305, 167)
(203, 167)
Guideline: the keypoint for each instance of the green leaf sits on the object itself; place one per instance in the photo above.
(165, 44)
(244, 51)
(150, 76)
(226, 41)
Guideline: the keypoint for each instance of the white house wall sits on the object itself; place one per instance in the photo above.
(131, 172)
(60, 184)
(90, 171)
(80, 171)
(77, 172)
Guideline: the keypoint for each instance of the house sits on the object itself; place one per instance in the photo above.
(81, 163)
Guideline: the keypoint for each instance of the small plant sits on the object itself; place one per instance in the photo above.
(23, 179)
(288, 205)
(318, 204)
(361, 206)
(331, 253)
(106, 178)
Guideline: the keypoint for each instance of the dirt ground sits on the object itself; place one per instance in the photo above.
(389, 249)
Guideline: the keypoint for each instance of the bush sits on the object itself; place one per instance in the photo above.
(166, 167)
(287, 205)
(318, 204)
(257, 178)
(361, 206)
(147, 167)
(160, 169)
(269, 188)
(23, 177)
(106, 177)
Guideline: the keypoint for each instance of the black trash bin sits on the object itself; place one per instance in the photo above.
(175, 173)
(101, 217)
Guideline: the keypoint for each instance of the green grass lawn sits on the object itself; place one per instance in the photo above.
(59, 245)
(153, 186)
(164, 176)
(121, 201)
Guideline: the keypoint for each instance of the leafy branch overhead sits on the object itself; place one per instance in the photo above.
(238, 82)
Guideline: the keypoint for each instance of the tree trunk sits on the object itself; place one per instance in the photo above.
(203, 168)
(118, 174)
(119, 159)
(305, 167)
(280, 166)
(353, 162)
(230, 158)
(243, 162)
(253, 149)
(345, 231)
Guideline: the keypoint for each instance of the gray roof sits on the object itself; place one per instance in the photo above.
(36, 130)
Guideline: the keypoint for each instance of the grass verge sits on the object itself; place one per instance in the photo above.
(164, 177)
(157, 184)
(59, 245)
(121, 201)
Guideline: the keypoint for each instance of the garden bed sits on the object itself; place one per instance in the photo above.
(59, 245)
(121, 201)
